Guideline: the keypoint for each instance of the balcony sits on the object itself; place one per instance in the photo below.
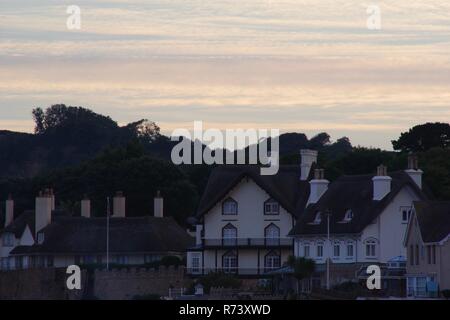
(235, 271)
(247, 243)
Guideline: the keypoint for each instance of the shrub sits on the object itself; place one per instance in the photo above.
(446, 293)
(219, 279)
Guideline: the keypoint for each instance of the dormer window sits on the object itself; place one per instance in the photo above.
(40, 238)
(271, 207)
(229, 207)
(8, 239)
(348, 215)
(318, 218)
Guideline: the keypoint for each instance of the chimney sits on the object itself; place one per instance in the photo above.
(43, 210)
(318, 186)
(119, 205)
(86, 207)
(413, 170)
(198, 234)
(308, 157)
(9, 211)
(158, 211)
(52, 195)
(381, 183)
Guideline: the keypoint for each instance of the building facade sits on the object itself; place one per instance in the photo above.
(428, 245)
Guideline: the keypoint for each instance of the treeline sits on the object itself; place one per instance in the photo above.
(78, 152)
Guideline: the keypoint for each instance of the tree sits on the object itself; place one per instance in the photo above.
(424, 137)
(39, 118)
(303, 268)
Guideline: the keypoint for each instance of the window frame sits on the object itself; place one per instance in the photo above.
(272, 255)
(225, 202)
(229, 241)
(272, 202)
(272, 241)
(230, 256)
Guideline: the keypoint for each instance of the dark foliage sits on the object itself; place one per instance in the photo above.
(424, 137)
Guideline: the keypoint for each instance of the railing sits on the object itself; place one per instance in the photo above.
(248, 242)
(236, 271)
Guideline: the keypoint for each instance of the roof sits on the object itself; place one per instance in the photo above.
(19, 224)
(353, 193)
(80, 235)
(285, 186)
(434, 219)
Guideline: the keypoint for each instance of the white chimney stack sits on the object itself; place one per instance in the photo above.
(43, 210)
(308, 157)
(9, 211)
(52, 195)
(381, 183)
(413, 170)
(119, 205)
(318, 186)
(198, 234)
(86, 207)
(158, 211)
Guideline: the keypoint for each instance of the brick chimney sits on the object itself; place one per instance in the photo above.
(86, 207)
(413, 170)
(119, 205)
(318, 186)
(308, 157)
(43, 210)
(158, 209)
(9, 211)
(381, 183)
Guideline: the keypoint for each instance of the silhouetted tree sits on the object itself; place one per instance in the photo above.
(424, 137)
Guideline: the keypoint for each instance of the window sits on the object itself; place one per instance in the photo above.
(272, 235)
(40, 238)
(5, 264)
(229, 207)
(406, 214)
(272, 261)
(336, 250)
(411, 255)
(271, 207)
(151, 258)
(431, 254)
(350, 249)
(229, 235)
(348, 215)
(417, 255)
(306, 250)
(229, 262)
(8, 240)
(320, 250)
(371, 248)
(19, 262)
(120, 259)
(195, 262)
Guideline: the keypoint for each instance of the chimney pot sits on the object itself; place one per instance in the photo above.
(9, 211)
(119, 205)
(158, 209)
(413, 169)
(318, 186)
(381, 183)
(308, 157)
(86, 207)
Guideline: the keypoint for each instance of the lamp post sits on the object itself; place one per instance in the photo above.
(108, 212)
(328, 213)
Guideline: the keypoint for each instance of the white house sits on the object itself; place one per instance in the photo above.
(365, 217)
(244, 218)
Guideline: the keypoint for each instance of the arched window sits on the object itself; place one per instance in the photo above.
(371, 247)
(230, 262)
(272, 235)
(229, 207)
(272, 260)
(229, 235)
(271, 207)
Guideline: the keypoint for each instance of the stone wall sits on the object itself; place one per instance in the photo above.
(50, 284)
(37, 284)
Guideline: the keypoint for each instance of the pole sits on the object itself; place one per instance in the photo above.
(329, 251)
(107, 232)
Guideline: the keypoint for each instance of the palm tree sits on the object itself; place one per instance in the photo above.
(303, 268)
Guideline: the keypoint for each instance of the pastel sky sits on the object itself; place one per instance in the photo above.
(297, 65)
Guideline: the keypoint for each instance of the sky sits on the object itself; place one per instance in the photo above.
(295, 65)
